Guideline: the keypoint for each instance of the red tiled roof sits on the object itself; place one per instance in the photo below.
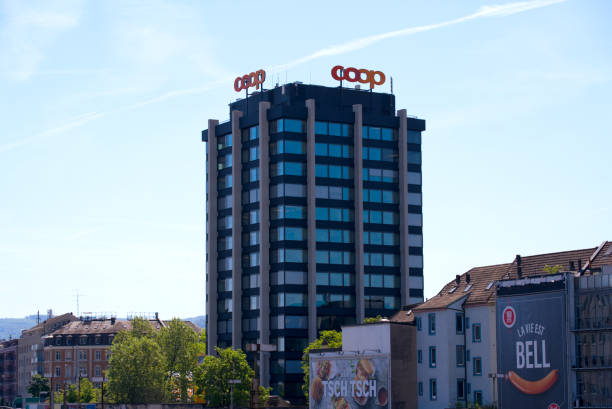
(481, 286)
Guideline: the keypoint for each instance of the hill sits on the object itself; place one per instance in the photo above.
(12, 327)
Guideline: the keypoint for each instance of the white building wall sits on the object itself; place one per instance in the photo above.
(445, 341)
(372, 337)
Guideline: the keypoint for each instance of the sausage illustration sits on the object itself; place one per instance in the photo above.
(533, 387)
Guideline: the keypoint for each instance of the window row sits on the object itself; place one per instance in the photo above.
(223, 182)
(335, 279)
(333, 128)
(250, 134)
(323, 170)
(335, 236)
(287, 168)
(224, 161)
(376, 133)
(287, 212)
(288, 277)
(381, 259)
(288, 321)
(289, 300)
(224, 141)
(224, 305)
(251, 324)
(335, 214)
(380, 238)
(335, 257)
(333, 192)
(381, 280)
(250, 259)
(287, 189)
(328, 300)
(250, 217)
(288, 256)
(380, 217)
(224, 243)
(387, 302)
(382, 154)
(250, 196)
(380, 175)
(224, 326)
(288, 146)
(333, 150)
(288, 233)
(379, 196)
(250, 154)
(288, 125)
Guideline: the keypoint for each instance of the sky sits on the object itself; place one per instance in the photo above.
(102, 176)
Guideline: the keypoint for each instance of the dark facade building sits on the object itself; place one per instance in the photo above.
(8, 371)
(314, 219)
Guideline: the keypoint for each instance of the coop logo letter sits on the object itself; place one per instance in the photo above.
(253, 79)
(363, 76)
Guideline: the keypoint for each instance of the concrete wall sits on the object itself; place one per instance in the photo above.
(403, 366)
(371, 337)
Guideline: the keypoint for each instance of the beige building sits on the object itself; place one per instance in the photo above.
(30, 352)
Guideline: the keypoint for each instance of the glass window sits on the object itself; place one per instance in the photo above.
(321, 170)
(433, 389)
(294, 212)
(321, 149)
(376, 280)
(322, 278)
(432, 357)
(322, 235)
(460, 355)
(320, 128)
(432, 323)
(295, 147)
(459, 323)
(294, 125)
(477, 365)
(335, 150)
(295, 277)
(335, 129)
(295, 233)
(476, 333)
(321, 213)
(294, 321)
(414, 157)
(460, 389)
(322, 256)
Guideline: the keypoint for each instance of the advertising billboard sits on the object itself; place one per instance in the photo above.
(531, 350)
(349, 382)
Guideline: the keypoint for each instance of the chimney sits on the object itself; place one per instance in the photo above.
(458, 279)
(519, 269)
(157, 316)
(467, 278)
(112, 320)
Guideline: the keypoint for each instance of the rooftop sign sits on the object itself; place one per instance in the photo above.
(253, 79)
(363, 76)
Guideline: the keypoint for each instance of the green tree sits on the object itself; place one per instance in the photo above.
(215, 372)
(72, 395)
(372, 320)
(182, 347)
(37, 385)
(552, 269)
(137, 367)
(327, 339)
(87, 392)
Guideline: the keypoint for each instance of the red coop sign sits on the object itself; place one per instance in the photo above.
(253, 79)
(362, 75)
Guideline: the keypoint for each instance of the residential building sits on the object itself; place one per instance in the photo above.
(31, 345)
(314, 219)
(456, 329)
(81, 349)
(8, 371)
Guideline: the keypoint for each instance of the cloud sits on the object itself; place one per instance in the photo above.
(28, 28)
(503, 10)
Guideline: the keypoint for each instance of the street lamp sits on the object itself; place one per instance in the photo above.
(232, 382)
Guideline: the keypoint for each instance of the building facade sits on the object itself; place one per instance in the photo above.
(31, 344)
(456, 329)
(8, 371)
(314, 219)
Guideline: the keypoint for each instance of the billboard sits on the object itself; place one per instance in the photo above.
(349, 382)
(531, 350)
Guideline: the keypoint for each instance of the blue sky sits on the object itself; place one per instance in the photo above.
(102, 168)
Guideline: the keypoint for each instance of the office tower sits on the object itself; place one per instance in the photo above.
(314, 219)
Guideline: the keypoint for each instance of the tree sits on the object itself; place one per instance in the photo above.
(137, 367)
(372, 320)
(88, 394)
(72, 395)
(552, 269)
(327, 339)
(215, 372)
(182, 347)
(37, 385)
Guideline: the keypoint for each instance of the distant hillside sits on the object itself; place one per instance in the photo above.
(200, 321)
(12, 327)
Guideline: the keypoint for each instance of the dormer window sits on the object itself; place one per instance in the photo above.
(83, 340)
(69, 340)
(58, 340)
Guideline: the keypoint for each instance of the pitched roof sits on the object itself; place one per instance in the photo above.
(51, 323)
(110, 326)
(481, 288)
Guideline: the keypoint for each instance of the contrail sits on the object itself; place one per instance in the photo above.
(502, 10)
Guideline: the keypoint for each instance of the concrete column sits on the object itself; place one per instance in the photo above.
(312, 223)
(264, 238)
(403, 207)
(211, 244)
(236, 230)
(358, 179)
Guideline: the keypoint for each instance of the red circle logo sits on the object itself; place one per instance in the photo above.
(509, 317)
(554, 406)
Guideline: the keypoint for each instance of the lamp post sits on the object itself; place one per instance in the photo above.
(232, 382)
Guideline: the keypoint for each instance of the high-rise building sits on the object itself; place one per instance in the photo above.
(314, 219)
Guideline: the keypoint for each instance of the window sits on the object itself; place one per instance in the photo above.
(385, 134)
(335, 214)
(68, 371)
(335, 300)
(83, 371)
(476, 333)
(381, 259)
(83, 340)
(335, 257)
(420, 388)
(477, 363)
(460, 389)
(380, 154)
(250, 303)
(224, 141)
(333, 192)
(478, 397)
(333, 128)
(287, 212)
(288, 277)
(288, 233)
(379, 196)
(82, 355)
(249, 281)
(250, 154)
(376, 216)
(288, 125)
(58, 356)
(250, 196)
(459, 323)
(432, 323)
(250, 134)
(98, 371)
(333, 150)
(288, 189)
(58, 371)
(334, 235)
(433, 389)
(335, 279)
(433, 359)
(380, 175)
(98, 355)
(283, 255)
(288, 146)
(287, 168)
(419, 356)
(418, 323)
(333, 171)
(460, 355)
